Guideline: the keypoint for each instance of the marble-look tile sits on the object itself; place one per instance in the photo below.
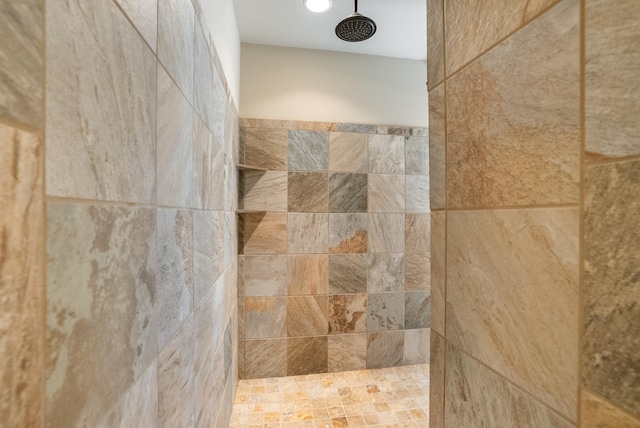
(306, 355)
(21, 62)
(417, 236)
(518, 143)
(88, 371)
(265, 234)
(348, 152)
(22, 264)
(435, 43)
(355, 127)
(476, 396)
(437, 148)
(209, 168)
(611, 355)
(611, 82)
(265, 317)
(348, 273)
(416, 309)
(308, 233)
(597, 413)
(176, 42)
(496, 287)
(386, 233)
(176, 379)
(416, 346)
(417, 194)
(175, 271)
(308, 274)
(347, 352)
(307, 316)
(385, 349)
(387, 193)
(308, 151)
(144, 15)
(265, 276)
(266, 148)
(436, 381)
(417, 271)
(438, 270)
(348, 233)
(265, 358)
(347, 193)
(386, 272)
(471, 29)
(176, 176)
(347, 313)
(100, 104)
(308, 192)
(417, 155)
(386, 154)
(266, 191)
(385, 311)
(208, 251)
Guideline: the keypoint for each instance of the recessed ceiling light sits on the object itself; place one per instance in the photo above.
(318, 6)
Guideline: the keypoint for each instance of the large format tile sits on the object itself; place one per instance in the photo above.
(208, 167)
(308, 274)
(306, 355)
(265, 276)
(597, 413)
(266, 358)
(348, 152)
(497, 288)
(307, 316)
(385, 311)
(416, 309)
(417, 155)
(144, 15)
(266, 148)
(21, 62)
(266, 191)
(348, 273)
(438, 270)
(386, 233)
(437, 148)
(347, 352)
(386, 154)
(386, 272)
(208, 251)
(265, 234)
(386, 193)
(612, 84)
(436, 381)
(308, 233)
(101, 102)
(308, 192)
(348, 233)
(416, 346)
(385, 349)
(347, 313)
(435, 42)
(308, 151)
(347, 193)
(611, 351)
(265, 317)
(518, 143)
(176, 42)
(89, 371)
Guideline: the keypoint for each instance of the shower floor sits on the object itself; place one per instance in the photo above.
(392, 397)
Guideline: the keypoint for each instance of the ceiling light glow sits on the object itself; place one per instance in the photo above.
(318, 6)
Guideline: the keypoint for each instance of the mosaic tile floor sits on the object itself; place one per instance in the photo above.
(393, 397)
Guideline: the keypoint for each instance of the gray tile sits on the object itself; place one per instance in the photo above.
(418, 194)
(417, 309)
(385, 349)
(386, 233)
(208, 251)
(308, 192)
(209, 168)
(348, 233)
(385, 311)
(308, 233)
(386, 154)
(387, 193)
(354, 127)
(144, 15)
(417, 155)
(347, 193)
(176, 41)
(386, 272)
(348, 273)
(308, 151)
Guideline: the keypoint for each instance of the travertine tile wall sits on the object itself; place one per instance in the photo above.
(335, 275)
(535, 177)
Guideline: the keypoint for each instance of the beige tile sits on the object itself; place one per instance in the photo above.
(347, 313)
(265, 317)
(99, 72)
(386, 233)
(265, 234)
(417, 271)
(386, 272)
(265, 276)
(386, 154)
(417, 233)
(176, 41)
(308, 233)
(144, 15)
(438, 270)
(348, 273)
(307, 355)
(436, 381)
(308, 274)
(22, 289)
(208, 251)
(386, 193)
(209, 168)
(417, 194)
(437, 148)
(308, 192)
(266, 358)
(518, 143)
(435, 42)
(266, 148)
(88, 371)
(348, 152)
(307, 316)
(531, 255)
(266, 191)
(385, 349)
(347, 352)
(598, 413)
(417, 155)
(416, 346)
(348, 233)
(611, 83)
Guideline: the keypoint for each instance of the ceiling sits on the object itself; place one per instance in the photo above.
(402, 26)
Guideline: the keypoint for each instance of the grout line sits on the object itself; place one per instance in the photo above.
(609, 161)
(610, 403)
(134, 27)
(515, 207)
(445, 210)
(43, 204)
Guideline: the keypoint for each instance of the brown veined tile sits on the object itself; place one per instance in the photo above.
(385, 349)
(386, 272)
(348, 152)
(417, 346)
(266, 191)
(518, 142)
(176, 42)
(308, 233)
(437, 148)
(308, 151)
(307, 355)
(348, 233)
(347, 313)
(348, 273)
(308, 274)
(264, 234)
(144, 15)
(598, 413)
(265, 317)
(417, 271)
(435, 42)
(308, 192)
(265, 276)
(386, 193)
(266, 358)
(266, 148)
(347, 352)
(307, 316)
(436, 381)
(347, 193)
(385, 311)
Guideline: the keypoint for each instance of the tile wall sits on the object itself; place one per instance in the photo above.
(334, 274)
(535, 174)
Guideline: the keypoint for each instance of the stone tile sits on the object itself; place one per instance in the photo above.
(436, 381)
(347, 193)
(416, 309)
(144, 15)
(386, 272)
(438, 270)
(417, 233)
(437, 148)
(308, 151)
(21, 62)
(348, 233)
(417, 271)
(209, 168)
(435, 43)
(266, 358)
(266, 191)
(417, 155)
(176, 42)
(348, 273)
(417, 194)
(611, 358)
(597, 413)
(22, 264)
(100, 72)
(347, 313)
(611, 84)
(306, 355)
(307, 316)
(386, 154)
(308, 233)
(417, 346)
(386, 233)
(385, 311)
(356, 127)
(208, 251)
(472, 29)
(532, 254)
(519, 142)
(265, 276)
(88, 372)
(386, 193)
(348, 152)
(308, 192)
(308, 274)
(176, 185)
(476, 396)
(347, 352)
(385, 349)
(175, 283)
(266, 148)
(265, 317)
(265, 234)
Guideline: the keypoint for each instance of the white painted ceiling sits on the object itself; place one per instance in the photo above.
(402, 26)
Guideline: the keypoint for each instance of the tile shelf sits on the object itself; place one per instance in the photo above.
(250, 212)
(245, 167)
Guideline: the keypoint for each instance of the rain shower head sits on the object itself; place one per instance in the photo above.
(355, 27)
